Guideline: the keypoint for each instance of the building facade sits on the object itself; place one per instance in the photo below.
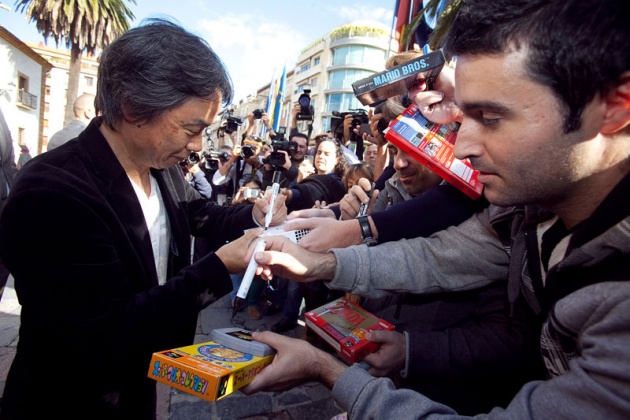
(22, 91)
(328, 67)
(57, 86)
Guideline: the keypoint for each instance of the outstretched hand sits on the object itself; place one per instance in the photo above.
(296, 362)
(286, 259)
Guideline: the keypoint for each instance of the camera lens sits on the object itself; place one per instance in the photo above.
(193, 158)
(258, 113)
(247, 152)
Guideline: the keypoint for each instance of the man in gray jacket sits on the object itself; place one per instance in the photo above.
(543, 94)
(83, 108)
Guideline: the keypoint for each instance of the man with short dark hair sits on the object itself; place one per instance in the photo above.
(542, 90)
(113, 282)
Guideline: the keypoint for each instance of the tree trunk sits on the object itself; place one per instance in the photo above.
(74, 74)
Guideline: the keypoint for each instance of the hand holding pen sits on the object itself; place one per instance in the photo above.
(275, 189)
(248, 277)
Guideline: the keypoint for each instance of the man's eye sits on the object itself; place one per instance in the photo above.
(489, 121)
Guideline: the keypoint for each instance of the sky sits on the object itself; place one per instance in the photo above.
(252, 37)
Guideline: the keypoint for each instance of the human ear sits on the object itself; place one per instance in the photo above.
(617, 115)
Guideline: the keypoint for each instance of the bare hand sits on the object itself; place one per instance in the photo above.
(326, 233)
(358, 194)
(391, 356)
(296, 362)
(307, 213)
(233, 254)
(439, 105)
(286, 259)
(261, 208)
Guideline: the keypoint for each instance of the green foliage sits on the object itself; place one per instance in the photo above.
(83, 24)
(444, 22)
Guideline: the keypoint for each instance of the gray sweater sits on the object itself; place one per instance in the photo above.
(586, 334)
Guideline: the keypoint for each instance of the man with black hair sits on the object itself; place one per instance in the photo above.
(113, 281)
(542, 90)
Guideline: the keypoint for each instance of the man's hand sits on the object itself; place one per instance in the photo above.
(261, 208)
(286, 259)
(296, 362)
(306, 213)
(350, 203)
(439, 105)
(327, 233)
(233, 254)
(391, 356)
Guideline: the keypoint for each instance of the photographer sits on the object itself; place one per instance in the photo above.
(297, 147)
(243, 161)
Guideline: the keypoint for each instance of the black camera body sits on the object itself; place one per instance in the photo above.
(306, 109)
(276, 158)
(359, 117)
(232, 123)
(258, 113)
(247, 151)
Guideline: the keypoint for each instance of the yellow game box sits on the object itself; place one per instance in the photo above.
(206, 370)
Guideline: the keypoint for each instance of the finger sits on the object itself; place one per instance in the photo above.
(365, 184)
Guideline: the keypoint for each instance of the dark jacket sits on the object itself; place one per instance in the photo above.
(92, 310)
(328, 188)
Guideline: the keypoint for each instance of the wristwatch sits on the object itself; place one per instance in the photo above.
(366, 231)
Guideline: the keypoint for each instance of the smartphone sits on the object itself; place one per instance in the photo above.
(309, 158)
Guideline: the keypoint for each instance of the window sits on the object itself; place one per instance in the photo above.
(89, 81)
(342, 102)
(305, 67)
(315, 61)
(358, 54)
(313, 82)
(342, 79)
(22, 82)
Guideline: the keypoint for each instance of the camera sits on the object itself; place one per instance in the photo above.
(276, 158)
(232, 124)
(306, 109)
(193, 158)
(258, 113)
(382, 123)
(359, 117)
(218, 155)
(247, 151)
(251, 192)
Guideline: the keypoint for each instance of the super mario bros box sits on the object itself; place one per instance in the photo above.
(344, 325)
(206, 370)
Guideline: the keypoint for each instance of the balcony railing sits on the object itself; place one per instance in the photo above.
(27, 99)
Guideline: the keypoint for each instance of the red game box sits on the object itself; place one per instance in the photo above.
(344, 325)
(432, 145)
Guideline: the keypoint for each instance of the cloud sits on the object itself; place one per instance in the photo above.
(251, 49)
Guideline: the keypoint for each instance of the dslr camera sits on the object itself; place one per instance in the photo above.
(306, 108)
(247, 151)
(257, 114)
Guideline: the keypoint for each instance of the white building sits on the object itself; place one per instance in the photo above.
(57, 85)
(330, 65)
(22, 90)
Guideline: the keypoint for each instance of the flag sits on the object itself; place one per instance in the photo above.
(404, 12)
(276, 98)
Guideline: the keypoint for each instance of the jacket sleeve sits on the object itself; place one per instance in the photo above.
(596, 386)
(455, 207)
(463, 257)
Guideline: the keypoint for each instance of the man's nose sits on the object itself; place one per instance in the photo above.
(468, 143)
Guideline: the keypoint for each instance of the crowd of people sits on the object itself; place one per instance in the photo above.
(513, 305)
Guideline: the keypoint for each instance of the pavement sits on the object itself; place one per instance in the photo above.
(311, 401)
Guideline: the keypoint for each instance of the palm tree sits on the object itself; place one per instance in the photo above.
(444, 22)
(83, 25)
